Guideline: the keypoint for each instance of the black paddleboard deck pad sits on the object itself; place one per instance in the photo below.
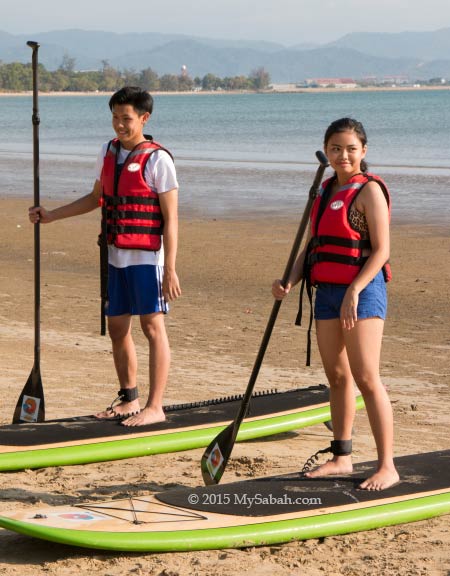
(86, 439)
(262, 511)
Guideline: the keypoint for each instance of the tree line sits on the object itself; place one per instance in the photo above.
(17, 77)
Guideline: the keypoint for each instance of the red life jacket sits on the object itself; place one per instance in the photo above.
(335, 250)
(131, 211)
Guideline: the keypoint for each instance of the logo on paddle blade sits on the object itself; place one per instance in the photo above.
(214, 460)
(30, 409)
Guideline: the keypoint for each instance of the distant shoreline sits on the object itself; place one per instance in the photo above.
(226, 92)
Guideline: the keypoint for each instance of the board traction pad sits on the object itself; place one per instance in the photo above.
(278, 495)
(83, 428)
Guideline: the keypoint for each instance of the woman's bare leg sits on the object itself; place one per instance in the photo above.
(342, 396)
(363, 344)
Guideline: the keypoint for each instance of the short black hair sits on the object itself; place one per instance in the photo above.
(140, 99)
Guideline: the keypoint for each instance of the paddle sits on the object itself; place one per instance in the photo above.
(215, 457)
(30, 406)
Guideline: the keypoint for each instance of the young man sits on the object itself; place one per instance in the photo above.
(137, 187)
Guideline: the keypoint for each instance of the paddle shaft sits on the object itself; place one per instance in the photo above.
(36, 184)
(30, 405)
(216, 456)
(277, 304)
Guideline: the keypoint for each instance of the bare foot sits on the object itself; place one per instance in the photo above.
(337, 465)
(122, 408)
(147, 416)
(384, 478)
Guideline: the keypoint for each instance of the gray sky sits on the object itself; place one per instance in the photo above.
(285, 21)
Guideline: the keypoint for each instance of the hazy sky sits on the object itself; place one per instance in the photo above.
(284, 21)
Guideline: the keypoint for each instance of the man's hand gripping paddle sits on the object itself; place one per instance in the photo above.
(216, 456)
(30, 406)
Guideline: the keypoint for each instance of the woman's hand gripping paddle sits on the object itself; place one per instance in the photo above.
(216, 456)
(30, 406)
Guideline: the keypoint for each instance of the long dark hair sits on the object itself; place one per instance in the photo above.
(348, 125)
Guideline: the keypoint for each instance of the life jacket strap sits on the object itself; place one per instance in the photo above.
(298, 321)
(338, 258)
(306, 283)
(104, 298)
(133, 214)
(115, 229)
(320, 241)
(122, 200)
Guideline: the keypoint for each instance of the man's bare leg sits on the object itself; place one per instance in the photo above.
(125, 361)
(154, 329)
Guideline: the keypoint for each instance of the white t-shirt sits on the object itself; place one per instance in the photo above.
(161, 176)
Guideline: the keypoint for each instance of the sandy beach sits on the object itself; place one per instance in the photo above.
(226, 268)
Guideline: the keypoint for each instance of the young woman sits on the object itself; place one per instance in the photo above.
(346, 260)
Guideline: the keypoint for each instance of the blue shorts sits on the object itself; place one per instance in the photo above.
(372, 300)
(135, 290)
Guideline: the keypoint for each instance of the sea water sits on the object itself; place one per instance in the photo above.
(241, 154)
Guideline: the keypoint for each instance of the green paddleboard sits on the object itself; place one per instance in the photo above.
(255, 512)
(85, 439)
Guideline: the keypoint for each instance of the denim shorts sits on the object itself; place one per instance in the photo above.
(135, 290)
(372, 300)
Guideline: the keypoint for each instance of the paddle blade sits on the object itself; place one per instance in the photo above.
(216, 456)
(30, 405)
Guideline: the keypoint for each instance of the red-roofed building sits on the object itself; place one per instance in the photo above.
(331, 82)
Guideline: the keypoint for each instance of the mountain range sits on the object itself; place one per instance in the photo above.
(412, 55)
